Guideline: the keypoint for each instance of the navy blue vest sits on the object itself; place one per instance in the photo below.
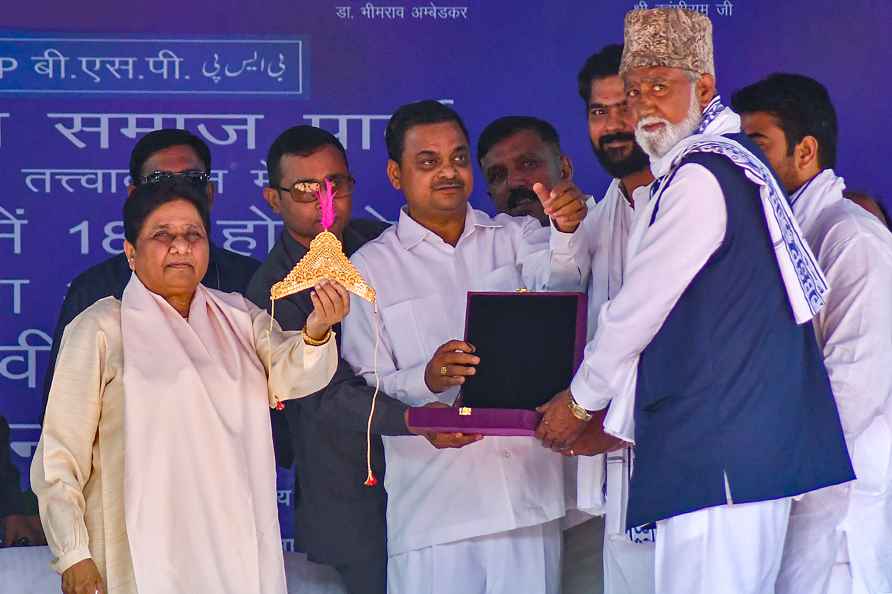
(730, 385)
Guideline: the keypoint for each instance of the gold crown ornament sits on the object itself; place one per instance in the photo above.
(326, 260)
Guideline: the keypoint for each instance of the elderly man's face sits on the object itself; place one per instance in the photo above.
(667, 106)
(171, 253)
(512, 166)
(434, 172)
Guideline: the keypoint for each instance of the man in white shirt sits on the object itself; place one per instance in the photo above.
(515, 153)
(483, 518)
(840, 538)
(703, 355)
(603, 480)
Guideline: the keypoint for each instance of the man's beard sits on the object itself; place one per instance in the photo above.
(619, 166)
(657, 144)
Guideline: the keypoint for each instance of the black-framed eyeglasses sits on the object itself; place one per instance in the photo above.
(304, 191)
(196, 177)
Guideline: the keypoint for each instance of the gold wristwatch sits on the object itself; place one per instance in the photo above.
(577, 410)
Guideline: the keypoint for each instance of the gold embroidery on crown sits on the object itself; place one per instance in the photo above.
(325, 260)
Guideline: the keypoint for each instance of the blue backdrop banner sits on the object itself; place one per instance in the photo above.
(80, 84)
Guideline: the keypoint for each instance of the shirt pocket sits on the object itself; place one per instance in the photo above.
(416, 328)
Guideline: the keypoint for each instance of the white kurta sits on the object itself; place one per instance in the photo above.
(84, 484)
(854, 330)
(603, 480)
(497, 484)
(662, 260)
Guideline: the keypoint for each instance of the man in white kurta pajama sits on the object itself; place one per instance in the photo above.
(485, 518)
(840, 538)
(695, 353)
(603, 479)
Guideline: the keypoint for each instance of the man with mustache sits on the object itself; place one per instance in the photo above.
(485, 517)
(704, 355)
(517, 152)
(603, 480)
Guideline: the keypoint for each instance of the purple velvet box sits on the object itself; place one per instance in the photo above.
(483, 421)
(530, 344)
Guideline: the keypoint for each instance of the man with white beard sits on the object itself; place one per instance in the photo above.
(838, 540)
(703, 356)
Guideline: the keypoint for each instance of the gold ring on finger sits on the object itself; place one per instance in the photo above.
(444, 371)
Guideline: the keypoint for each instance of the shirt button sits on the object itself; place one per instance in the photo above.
(506, 453)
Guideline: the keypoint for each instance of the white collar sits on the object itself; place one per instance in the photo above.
(818, 193)
(410, 232)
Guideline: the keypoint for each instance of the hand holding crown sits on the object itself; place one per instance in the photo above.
(331, 304)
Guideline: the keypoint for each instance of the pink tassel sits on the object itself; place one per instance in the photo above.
(326, 201)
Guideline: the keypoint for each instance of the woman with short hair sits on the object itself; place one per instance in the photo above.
(155, 469)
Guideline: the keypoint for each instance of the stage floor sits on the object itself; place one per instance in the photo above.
(25, 570)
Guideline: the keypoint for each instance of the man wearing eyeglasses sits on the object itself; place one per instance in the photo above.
(159, 155)
(339, 522)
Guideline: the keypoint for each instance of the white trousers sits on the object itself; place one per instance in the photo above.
(816, 557)
(513, 562)
(628, 566)
(729, 549)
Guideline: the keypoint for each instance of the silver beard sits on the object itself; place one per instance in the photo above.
(657, 144)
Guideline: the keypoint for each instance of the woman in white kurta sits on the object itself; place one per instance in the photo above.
(155, 469)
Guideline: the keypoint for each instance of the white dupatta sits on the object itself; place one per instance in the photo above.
(199, 472)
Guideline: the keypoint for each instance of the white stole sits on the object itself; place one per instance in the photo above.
(199, 472)
(606, 280)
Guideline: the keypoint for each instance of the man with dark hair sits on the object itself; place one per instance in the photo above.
(162, 154)
(484, 517)
(515, 153)
(146, 156)
(610, 126)
(603, 480)
(838, 539)
(792, 119)
(338, 521)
